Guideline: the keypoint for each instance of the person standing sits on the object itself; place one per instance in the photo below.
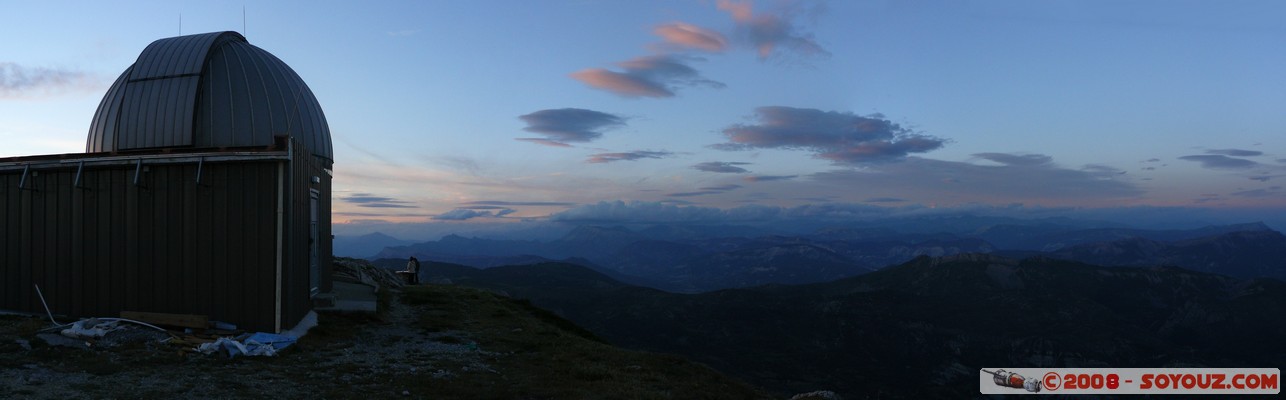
(413, 269)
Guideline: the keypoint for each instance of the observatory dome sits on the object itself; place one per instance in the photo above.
(209, 90)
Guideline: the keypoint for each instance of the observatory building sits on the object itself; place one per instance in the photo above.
(205, 188)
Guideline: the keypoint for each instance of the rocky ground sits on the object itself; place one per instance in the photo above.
(427, 342)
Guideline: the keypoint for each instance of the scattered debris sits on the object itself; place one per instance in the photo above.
(102, 333)
(63, 341)
(90, 328)
(278, 342)
(134, 322)
(258, 344)
(818, 395)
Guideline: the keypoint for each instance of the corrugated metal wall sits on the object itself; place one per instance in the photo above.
(296, 290)
(167, 245)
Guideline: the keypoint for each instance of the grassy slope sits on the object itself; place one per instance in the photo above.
(440, 342)
(544, 356)
(932, 321)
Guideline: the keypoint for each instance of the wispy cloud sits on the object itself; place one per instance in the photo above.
(769, 178)
(692, 194)
(1220, 161)
(461, 214)
(403, 32)
(842, 137)
(545, 142)
(458, 163)
(18, 81)
(563, 125)
(1235, 152)
(1271, 191)
(647, 76)
(722, 187)
(1022, 178)
(375, 157)
(377, 215)
(499, 211)
(626, 156)
(373, 201)
(1102, 171)
(1015, 159)
(707, 191)
(1208, 198)
(770, 33)
(885, 200)
(722, 167)
(687, 36)
(675, 202)
(517, 203)
(668, 212)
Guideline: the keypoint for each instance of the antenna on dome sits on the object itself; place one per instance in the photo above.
(180, 24)
(243, 20)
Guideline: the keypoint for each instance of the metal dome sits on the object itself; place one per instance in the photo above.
(205, 91)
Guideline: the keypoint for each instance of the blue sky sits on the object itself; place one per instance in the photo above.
(484, 111)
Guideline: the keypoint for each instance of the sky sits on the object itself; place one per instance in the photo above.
(463, 114)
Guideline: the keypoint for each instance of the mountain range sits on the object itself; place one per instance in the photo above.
(1245, 254)
(1053, 237)
(692, 260)
(922, 329)
(365, 245)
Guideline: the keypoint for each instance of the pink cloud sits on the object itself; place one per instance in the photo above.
(648, 76)
(691, 36)
(741, 11)
(623, 84)
(769, 33)
(545, 142)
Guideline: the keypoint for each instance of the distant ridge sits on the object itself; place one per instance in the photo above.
(1243, 254)
(365, 245)
(936, 318)
(1053, 238)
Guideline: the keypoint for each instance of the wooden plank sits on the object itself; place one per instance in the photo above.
(179, 320)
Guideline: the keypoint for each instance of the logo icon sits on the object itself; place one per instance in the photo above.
(1012, 380)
